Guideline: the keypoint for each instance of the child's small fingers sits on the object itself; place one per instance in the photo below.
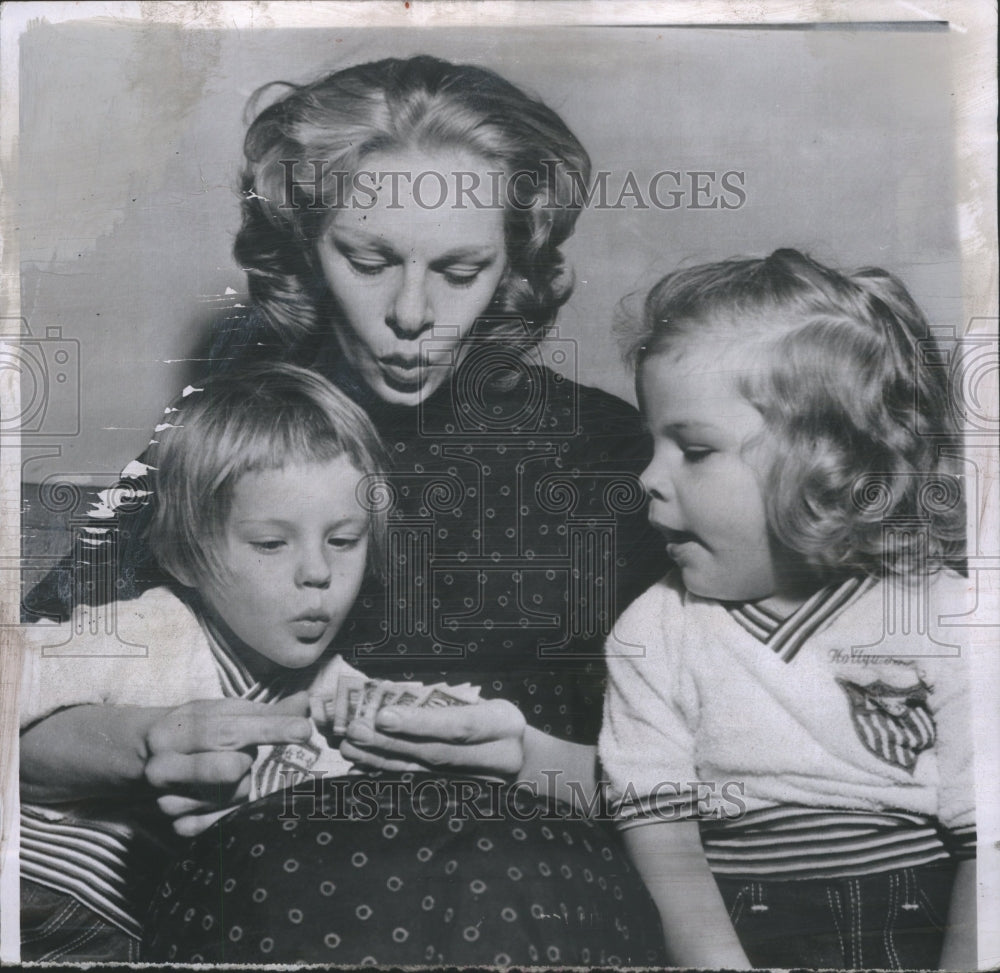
(178, 772)
(503, 757)
(395, 750)
(429, 750)
(294, 705)
(193, 728)
(178, 805)
(193, 824)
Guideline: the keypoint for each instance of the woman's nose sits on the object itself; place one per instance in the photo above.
(313, 570)
(410, 312)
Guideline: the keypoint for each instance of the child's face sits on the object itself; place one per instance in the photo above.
(704, 488)
(295, 544)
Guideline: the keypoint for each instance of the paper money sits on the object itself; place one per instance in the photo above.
(442, 697)
(346, 702)
(360, 698)
(409, 694)
(331, 711)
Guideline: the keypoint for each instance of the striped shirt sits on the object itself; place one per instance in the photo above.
(801, 842)
(832, 742)
(102, 854)
(785, 636)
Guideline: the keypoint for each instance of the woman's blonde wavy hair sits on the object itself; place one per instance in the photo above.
(389, 105)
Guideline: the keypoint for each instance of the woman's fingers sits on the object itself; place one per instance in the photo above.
(387, 752)
(295, 705)
(494, 719)
(376, 761)
(183, 805)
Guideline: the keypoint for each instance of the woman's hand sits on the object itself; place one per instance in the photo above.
(484, 738)
(200, 754)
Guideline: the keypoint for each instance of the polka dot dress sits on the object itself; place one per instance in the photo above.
(426, 874)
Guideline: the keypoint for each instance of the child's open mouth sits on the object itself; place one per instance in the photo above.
(672, 536)
(676, 539)
(310, 627)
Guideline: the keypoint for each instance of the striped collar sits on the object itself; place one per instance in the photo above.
(236, 679)
(785, 636)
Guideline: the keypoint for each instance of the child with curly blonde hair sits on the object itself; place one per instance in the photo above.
(792, 668)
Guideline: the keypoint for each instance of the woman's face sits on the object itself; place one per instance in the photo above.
(412, 263)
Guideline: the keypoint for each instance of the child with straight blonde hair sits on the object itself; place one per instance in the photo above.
(261, 521)
(786, 727)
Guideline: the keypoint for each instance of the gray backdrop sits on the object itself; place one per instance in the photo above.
(131, 142)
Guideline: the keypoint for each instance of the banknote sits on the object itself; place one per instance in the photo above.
(356, 697)
(331, 711)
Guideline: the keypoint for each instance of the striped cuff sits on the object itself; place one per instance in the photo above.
(961, 842)
(787, 842)
(86, 860)
(672, 802)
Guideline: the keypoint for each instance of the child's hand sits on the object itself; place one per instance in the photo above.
(200, 754)
(191, 825)
(483, 738)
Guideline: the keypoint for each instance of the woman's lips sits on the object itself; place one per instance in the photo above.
(402, 372)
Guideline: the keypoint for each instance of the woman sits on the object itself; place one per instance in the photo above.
(401, 230)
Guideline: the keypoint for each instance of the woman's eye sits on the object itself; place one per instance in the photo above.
(367, 268)
(697, 454)
(461, 277)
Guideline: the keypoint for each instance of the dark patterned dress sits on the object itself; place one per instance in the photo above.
(405, 870)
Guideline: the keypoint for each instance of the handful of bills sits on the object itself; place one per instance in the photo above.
(359, 698)
(332, 710)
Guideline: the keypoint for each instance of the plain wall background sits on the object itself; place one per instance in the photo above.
(130, 146)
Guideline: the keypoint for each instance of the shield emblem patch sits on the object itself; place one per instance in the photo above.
(894, 723)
